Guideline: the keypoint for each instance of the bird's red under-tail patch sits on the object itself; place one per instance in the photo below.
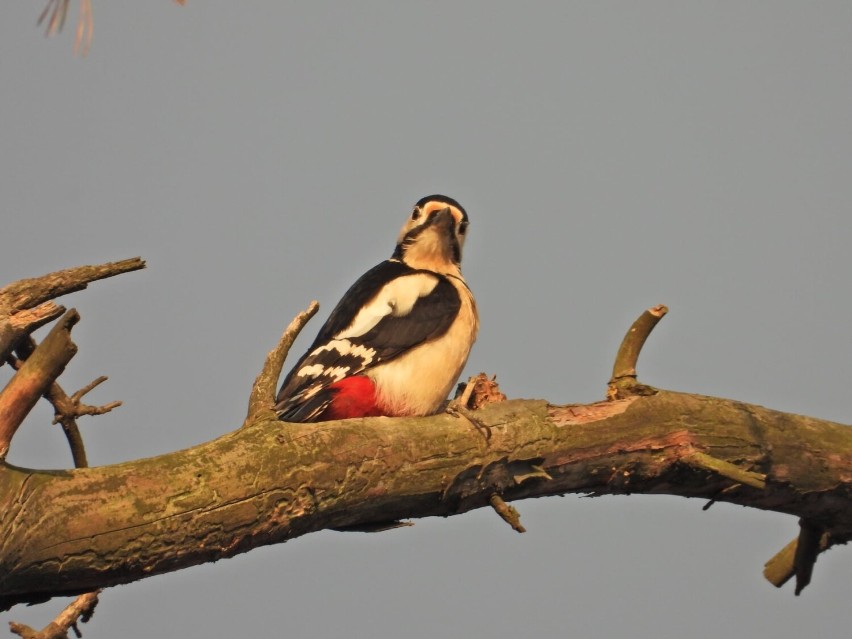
(353, 397)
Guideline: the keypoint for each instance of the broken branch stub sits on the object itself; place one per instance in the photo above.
(262, 397)
(35, 377)
(623, 382)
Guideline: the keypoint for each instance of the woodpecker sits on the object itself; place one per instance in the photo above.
(397, 341)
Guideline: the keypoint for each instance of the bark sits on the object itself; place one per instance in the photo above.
(69, 532)
(65, 532)
(35, 377)
(81, 609)
(25, 305)
(31, 292)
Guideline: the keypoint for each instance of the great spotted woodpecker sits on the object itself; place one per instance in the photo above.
(398, 340)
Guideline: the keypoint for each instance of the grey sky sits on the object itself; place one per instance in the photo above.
(611, 156)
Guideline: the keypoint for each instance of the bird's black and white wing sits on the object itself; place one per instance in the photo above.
(390, 310)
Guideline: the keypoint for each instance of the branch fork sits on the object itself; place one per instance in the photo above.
(25, 306)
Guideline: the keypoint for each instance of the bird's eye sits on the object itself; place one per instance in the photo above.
(462, 228)
(415, 213)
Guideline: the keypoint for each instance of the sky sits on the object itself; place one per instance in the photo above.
(611, 156)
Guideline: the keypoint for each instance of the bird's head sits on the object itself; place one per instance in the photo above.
(433, 235)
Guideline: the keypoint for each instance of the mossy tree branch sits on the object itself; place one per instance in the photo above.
(71, 531)
(25, 306)
(66, 532)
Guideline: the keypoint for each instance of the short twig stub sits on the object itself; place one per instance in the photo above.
(623, 382)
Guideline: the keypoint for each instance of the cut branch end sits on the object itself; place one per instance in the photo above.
(507, 513)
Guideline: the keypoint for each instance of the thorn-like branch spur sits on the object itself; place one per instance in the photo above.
(623, 382)
(262, 397)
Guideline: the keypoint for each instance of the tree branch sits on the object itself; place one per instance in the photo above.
(25, 305)
(67, 409)
(35, 376)
(81, 609)
(63, 533)
(507, 513)
(623, 383)
(262, 397)
(22, 323)
(69, 532)
(791, 562)
(33, 291)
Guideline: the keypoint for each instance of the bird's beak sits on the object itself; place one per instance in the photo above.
(444, 218)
